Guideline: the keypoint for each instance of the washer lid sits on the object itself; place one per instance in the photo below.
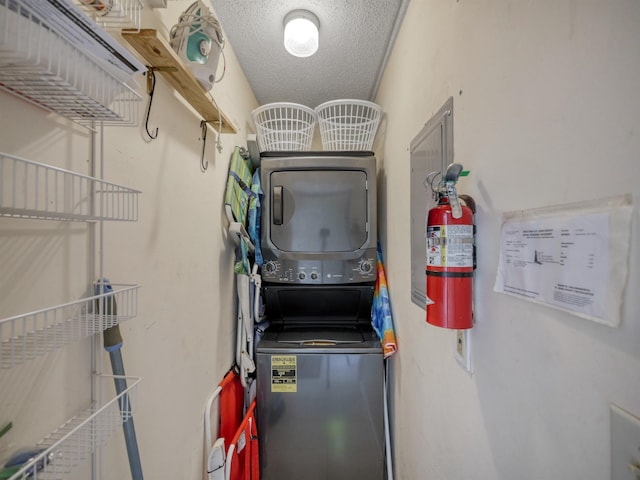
(320, 337)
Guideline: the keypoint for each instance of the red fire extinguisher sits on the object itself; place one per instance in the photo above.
(450, 255)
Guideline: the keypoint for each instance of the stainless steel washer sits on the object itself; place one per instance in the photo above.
(320, 398)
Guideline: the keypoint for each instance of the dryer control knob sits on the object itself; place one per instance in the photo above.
(270, 267)
(366, 266)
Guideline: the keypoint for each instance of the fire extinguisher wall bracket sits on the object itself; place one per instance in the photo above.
(450, 264)
(469, 202)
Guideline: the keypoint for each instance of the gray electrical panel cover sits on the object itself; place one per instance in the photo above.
(431, 151)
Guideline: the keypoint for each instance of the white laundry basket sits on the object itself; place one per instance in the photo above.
(284, 126)
(348, 124)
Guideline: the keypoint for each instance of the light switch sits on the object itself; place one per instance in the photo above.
(625, 445)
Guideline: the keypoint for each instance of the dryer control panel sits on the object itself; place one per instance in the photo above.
(320, 272)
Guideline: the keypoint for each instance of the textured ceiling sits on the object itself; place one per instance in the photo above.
(355, 39)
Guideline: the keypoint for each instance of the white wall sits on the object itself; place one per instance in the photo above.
(181, 342)
(546, 112)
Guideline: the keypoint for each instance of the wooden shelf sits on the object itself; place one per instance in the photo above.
(160, 56)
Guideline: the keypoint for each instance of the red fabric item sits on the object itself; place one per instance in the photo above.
(244, 459)
(231, 405)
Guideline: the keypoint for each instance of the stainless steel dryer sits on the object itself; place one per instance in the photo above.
(319, 220)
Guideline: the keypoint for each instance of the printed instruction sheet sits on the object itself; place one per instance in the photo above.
(565, 259)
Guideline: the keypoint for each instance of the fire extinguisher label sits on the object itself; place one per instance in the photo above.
(450, 246)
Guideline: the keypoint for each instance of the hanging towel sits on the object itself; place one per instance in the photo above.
(381, 312)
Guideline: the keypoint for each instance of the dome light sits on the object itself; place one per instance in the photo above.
(301, 33)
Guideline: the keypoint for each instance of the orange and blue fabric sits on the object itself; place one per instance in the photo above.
(381, 316)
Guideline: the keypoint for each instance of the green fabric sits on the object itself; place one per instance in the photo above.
(238, 195)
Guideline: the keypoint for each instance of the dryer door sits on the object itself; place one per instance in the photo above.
(319, 210)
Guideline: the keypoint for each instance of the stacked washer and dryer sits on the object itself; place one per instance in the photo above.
(320, 391)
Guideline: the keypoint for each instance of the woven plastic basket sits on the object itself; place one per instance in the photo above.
(284, 126)
(348, 124)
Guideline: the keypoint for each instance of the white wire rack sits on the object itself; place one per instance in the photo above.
(44, 68)
(113, 14)
(30, 189)
(30, 335)
(73, 442)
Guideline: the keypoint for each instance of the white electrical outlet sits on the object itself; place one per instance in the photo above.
(625, 445)
(463, 349)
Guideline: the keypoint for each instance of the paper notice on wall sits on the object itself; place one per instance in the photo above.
(574, 259)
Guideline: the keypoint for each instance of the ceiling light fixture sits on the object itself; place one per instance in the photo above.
(301, 33)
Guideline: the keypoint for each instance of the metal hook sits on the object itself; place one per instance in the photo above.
(151, 87)
(203, 127)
